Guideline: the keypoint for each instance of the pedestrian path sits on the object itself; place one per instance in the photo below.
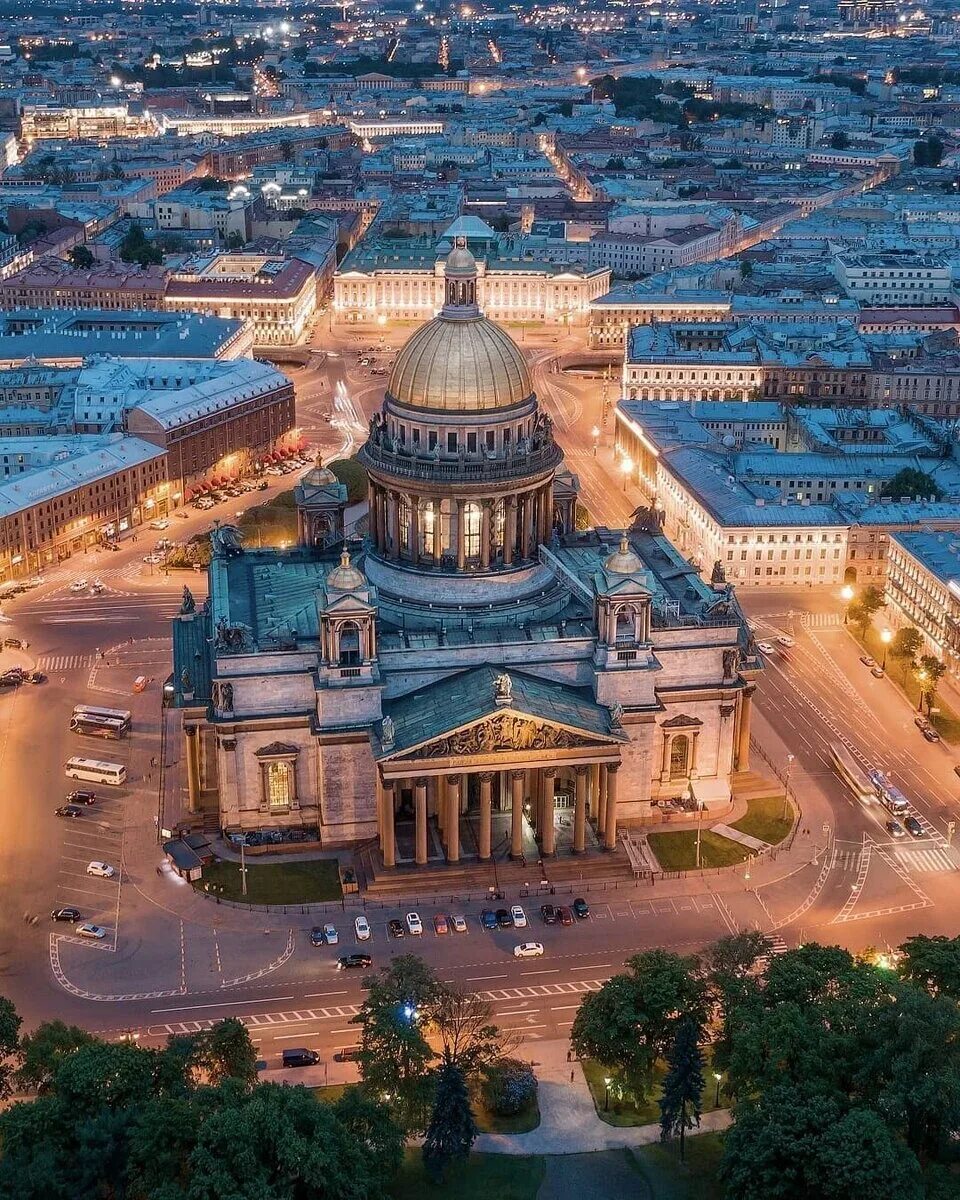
(568, 1119)
(64, 662)
(933, 858)
(734, 835)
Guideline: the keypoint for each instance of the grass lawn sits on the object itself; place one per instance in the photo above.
(304, 882)
(946, 721)
(678, 851)
(331, 1093)
(484, 1177)
(666, 1178)
(624, 1113)
(764, 820)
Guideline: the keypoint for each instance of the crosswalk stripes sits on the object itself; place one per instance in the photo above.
(820, 620)
(64, 662)
(935, 858)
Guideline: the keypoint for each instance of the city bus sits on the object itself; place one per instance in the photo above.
(889, 796)
(104, 727)
(92, 713)
(92, 770)
(852, 773)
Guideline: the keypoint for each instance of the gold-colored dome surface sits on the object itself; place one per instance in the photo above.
(345, 577)
(460, 365)
(623, 561)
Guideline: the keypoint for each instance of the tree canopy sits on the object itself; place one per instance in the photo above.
(911, 482)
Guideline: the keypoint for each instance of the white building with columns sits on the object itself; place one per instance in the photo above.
(474, 679)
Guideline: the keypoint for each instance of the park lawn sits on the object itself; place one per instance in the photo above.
(331, 1093)
(489, 1122)
(666, 1178)
(483, 1177)
(625, 1113)
(677, 851)
(764, 819)
(946, 722)
(307, 882)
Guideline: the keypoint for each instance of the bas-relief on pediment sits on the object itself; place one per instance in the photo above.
(504, 732)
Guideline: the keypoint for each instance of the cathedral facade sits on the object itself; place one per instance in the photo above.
(474, 678)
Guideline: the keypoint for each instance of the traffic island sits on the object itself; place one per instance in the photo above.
(272, 883)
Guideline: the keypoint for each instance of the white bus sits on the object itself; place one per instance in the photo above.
(104, 727)
(89, 712)
(94, 771)
(889, 796)
(852, 773)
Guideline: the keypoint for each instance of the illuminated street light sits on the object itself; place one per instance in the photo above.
(606, 1093)
(846, 595)
(921, 679)
(717, 1076)
(886, 637)
(626, 466)
(595, 434)
(116, 81)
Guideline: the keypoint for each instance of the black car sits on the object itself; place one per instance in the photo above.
(81, 797)
(549, 914)
(66, 914)
(581, 908)
(352, 961)
(913, 827)
(36, 677)
(69, 810)
(395, 928)
(300, 1058)
(11, 679)
(504, 919)
(488, 919)
(316, 936)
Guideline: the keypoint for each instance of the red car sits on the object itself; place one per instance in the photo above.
(565, 915)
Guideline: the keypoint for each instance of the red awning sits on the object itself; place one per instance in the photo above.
(188, 494)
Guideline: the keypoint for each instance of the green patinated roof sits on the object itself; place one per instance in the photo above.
(191, 651)
(448, 704)
(269, 591)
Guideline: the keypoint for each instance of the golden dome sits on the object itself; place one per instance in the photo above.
(460, 365)
(623, 561)
(346, 577)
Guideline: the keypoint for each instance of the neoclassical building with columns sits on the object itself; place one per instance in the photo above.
(473, 679)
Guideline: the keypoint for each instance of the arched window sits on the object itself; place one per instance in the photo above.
(626, 625)
(680, 757)
(429, 527)
(471, 530)
(349, 644)
(498, 524)
(280, 784)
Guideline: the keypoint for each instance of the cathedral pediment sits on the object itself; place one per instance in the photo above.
(505, 732)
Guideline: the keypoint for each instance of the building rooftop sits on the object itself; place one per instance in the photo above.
(939, 553)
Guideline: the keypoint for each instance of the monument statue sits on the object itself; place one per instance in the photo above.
(503, 687)
(187, 604)
(388, 732)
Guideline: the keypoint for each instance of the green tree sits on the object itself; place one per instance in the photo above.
(906, 642)
(912, 482)
(933, 963)
(225, 1051)
(353, 476)
(839, 140)
(236, 241)
(10, 1022)
(864, 605)
(930, 670)
(81, 257)
(509, 1087)
(452, 1130)
(682, 1085)
(370, 1125)
(629, 1022)
(395, 1059)
(135, 247)
(43, 1050)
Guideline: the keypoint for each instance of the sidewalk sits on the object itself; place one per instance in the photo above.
(568, 1120)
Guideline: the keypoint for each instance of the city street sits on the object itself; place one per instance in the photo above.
(172, 962)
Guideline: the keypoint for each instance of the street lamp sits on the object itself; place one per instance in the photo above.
(717, 1076)
(606, 1093)
(921, 679)
(846, 595)
(786, 784)
(886, 637)
(626, 466)
(595, 434)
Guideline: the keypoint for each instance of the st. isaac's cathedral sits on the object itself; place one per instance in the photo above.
(473, 677)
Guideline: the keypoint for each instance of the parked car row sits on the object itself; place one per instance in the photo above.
(550, 914)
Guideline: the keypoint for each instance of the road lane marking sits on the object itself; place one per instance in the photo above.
(552, 971)
(563, 1007)
(222, 1004)
(594, 967)
(480, 978)
(317, 995)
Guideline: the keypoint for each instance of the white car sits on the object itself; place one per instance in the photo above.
(528, 950)
(459, 923)
(88, 930)
(101, 869)
(153, 559)
(79, 585)
(519, 917)
(362, 926)
(330, 935)
(161, 524)
(765, 647)
(414, 924)
(786, 640)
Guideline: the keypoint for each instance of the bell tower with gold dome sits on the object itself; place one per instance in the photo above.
(461, 462)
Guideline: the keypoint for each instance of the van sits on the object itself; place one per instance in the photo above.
(140, 683)
(300, 1058)
(94, 771)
